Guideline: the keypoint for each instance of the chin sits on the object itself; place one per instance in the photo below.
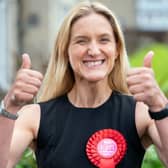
(95, 78)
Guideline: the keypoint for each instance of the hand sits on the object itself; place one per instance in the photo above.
(25, 86)
(143, 86)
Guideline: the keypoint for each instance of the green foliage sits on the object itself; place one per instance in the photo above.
(151, 159)
(28, 160)
(159, 63)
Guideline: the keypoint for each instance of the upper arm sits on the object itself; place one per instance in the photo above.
(25, 130)
(151, 135)
(146, 127)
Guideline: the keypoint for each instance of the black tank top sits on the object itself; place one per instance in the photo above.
(64, 131)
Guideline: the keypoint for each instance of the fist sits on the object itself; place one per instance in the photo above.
(143, 86)
(25, 86)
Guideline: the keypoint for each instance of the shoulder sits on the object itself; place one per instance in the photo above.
(29, 118)
(52, 106)
(29, 111)
(54, 101)
(122, 95)
(124, 98)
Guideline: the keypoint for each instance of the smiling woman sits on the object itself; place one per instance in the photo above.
(85, 112)
(78, 33)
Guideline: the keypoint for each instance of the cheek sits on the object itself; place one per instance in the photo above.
(74, 56)
(112, 53)
(75, 53)
(71, 61)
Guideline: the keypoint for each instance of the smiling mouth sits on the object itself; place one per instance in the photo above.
(93, 63)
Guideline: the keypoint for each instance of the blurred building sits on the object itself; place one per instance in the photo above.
(31, 26)
(8, 42)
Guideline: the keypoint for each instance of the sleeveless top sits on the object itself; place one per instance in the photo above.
(65, 129)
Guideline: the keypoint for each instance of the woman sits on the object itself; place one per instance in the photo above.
(85, 90)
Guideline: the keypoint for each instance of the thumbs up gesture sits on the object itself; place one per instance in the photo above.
(143, 86)
(25, 86)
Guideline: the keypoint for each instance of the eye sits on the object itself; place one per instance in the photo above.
(104, 40)
(82, 41)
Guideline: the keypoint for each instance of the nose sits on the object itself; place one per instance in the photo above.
(93, 49)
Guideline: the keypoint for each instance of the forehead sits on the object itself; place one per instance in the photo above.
(95, 23)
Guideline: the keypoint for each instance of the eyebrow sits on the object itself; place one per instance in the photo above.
(78, 37)
(106, 34)
(85, 36)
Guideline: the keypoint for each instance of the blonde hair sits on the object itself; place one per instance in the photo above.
(59, 77)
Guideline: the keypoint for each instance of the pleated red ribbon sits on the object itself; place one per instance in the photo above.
(106, 148)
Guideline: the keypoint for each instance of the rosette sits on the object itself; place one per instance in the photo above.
(106, 148)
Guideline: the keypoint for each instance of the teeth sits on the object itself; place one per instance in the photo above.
(93, 63)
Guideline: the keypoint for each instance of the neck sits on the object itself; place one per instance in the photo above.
(89, 94)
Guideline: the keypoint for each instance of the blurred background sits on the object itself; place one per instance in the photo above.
(30, 26)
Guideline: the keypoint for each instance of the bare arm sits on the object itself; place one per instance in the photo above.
(25, 131)
(144, 88)
(22, 91)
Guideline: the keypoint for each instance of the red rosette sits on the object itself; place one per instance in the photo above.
(106, 148)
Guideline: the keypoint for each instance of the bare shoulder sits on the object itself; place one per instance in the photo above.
(31, 108)
(29, 118)
(143, 122)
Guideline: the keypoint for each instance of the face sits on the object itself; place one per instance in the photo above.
(92, 49)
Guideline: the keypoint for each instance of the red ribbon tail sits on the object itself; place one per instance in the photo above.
(107, 163)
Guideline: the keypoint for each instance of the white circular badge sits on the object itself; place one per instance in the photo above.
(107, 148)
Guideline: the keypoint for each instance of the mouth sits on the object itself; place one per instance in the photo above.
(94, 63)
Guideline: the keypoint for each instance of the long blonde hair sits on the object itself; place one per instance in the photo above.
(59, 77)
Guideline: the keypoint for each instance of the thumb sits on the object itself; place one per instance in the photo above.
(148, 59)
(26, 61)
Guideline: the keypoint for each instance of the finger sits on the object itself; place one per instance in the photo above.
(33, 81)
(26, 73)
(23, 97)
(135, 71)
(133, 80)
(141, 97)
(135, 89)
(36, 74)
(148, 59)
(27, 88)
(30, 89)
(26, 61)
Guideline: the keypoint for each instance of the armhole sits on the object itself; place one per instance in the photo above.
(39, 124)
(143, 122)
(139, 122)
